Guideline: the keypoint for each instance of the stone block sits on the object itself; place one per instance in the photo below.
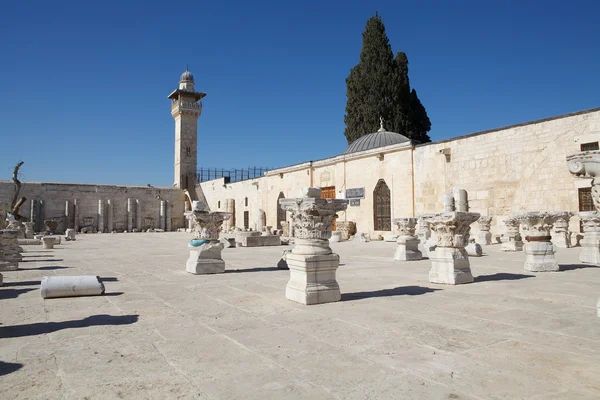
(361, 237)
(48, 242)
(539, 257)
(590, 248)
(70, 234)
(485, 237)
(29, 242)
(390, 238)
(335, 237)
(512, 245)
(205, 259)
(260, 241)
(312, 278)
(450, 265)
(474, 249)
(408, 249)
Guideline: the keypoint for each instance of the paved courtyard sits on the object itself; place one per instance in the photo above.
(160, 333)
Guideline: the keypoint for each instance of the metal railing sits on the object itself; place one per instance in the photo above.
(230, 175)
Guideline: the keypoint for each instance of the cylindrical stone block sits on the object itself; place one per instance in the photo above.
(100, 216)
(463, 201)
(68, 215)
(70, 286)
(449, 203)
(48, 242)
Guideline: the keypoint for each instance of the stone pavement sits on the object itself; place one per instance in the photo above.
(161, 333)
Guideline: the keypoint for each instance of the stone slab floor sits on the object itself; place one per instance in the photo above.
(160, 333)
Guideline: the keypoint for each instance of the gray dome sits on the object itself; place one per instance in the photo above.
(374, 140)
(186, 76)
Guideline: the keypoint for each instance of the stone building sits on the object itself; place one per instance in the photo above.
(385, 175)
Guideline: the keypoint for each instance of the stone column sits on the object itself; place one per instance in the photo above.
(449, 202)
(168, 217)
(75, 215)
(424, 230)
(11, 249)
(129, 214)
(512, 241)
(590, 243)
(485, 236)
(109, 215)
(462, 204)
(450, 261)
(33, 214)
(29, 230)
(229, 208)
(408, 244)
(41, 216)
(161, 215)
(68, 215)
(312, 264)
(138, 215)
(561, 236)
(100, 216)
(539, 250)
(205, 250)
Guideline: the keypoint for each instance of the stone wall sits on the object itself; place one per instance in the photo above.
(505, 171)
(55, 196)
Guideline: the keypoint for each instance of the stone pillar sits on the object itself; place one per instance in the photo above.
(450, 261)
(424, 230)
(485, 236)
(539, 250)
(259, 221)
(462, 204)
(100, 216)
(449, 202)
(41, 216)
(29, 230)
(408, 244)
(109, 216)
(33, 215)
(138, 215)
(129, 214)
(168, 217)
(75, 215)
(229, 208)
(590, 243)
(162, 214)
(68, 215)
(561, 236)
(512, 240)
(205, 250)
(312, 264)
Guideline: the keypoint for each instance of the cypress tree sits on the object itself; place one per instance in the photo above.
(378, 86)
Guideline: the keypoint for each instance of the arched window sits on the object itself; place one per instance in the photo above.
(382, 210)
(280, 211)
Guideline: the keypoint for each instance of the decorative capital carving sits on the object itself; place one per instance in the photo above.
(590, 221)
(452, 228)
(484, 223)
(207, 224)
(313, 217)
(406, 226)
(538, 223)
(584, 164)
(562, 221)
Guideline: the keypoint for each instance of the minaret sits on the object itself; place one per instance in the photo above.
(185, 109)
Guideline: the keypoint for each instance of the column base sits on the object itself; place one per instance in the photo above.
(8, 265)
(512, 245)
(562, 239)
(450, 265)
(408, 249)
(590, 252)
(539, 257)
(205, 259)
(312, 278)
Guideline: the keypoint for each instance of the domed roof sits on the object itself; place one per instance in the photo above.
(381, 138)
(186, 76)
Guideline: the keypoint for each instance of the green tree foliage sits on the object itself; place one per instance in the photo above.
(378, 86)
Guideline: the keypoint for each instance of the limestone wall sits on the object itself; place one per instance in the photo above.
(55, 196)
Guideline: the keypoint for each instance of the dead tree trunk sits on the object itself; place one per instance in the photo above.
(16, 201)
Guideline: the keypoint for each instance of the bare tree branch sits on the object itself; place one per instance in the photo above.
(16, 201)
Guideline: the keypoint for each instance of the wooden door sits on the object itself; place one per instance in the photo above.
(329, 193)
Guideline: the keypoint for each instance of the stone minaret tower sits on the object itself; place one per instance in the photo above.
(185, 109)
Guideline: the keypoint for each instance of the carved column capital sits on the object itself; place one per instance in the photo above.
(406, 226)
(484, 223)
(537, 224)
(452, 228)
(208, 223)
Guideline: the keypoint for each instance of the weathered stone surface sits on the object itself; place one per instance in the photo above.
(590, 252)
(28, 230)
(450, 261)
(259, 241)
(205, 259)
(48, 242)
(70, 234)
(561, 236)
(474, 249)
(485, 236)
(539, 250)
(408, 244)
(512, 240)
(312, 264)
(29, 242)
(346, 228)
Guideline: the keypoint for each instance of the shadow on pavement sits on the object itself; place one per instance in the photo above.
(7, 368)
(502, 276)
(398, 291)
(41, 328)
(12, 293)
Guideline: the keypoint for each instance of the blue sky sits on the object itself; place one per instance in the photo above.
(84, 84)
